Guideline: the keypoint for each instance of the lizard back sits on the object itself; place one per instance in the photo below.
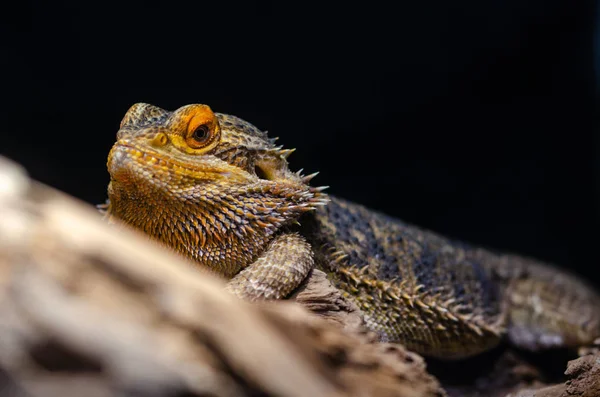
(413, 286)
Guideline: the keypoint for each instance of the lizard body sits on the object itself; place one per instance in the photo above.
(219, 191)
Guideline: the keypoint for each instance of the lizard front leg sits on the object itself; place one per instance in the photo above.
(277, 272)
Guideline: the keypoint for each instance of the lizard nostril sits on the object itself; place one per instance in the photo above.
(159, 139)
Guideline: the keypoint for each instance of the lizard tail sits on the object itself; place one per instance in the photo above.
(546, 307)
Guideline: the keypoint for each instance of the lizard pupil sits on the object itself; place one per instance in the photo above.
(201, 133)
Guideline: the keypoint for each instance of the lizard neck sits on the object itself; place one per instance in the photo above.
(217, 232)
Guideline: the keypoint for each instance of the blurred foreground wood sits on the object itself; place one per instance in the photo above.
(87, 310)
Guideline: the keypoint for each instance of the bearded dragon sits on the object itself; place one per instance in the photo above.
(219, 191)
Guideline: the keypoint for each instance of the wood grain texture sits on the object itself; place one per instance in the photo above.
(89, 310)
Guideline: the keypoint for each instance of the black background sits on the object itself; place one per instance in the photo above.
(475, 119)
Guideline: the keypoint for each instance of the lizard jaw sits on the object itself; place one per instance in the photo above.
(128, 163)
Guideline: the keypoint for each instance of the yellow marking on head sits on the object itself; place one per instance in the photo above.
(159, 140)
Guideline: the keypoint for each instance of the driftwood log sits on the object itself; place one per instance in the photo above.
(89, 310)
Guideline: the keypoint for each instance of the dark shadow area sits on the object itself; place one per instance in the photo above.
(466, 371)
(475, 119)
(502, 368)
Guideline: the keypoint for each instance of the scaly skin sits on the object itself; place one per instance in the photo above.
(219, 191)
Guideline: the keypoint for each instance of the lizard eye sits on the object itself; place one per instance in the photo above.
(200, 136)
(202, 131)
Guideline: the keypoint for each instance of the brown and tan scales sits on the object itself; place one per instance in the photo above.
(219, 191)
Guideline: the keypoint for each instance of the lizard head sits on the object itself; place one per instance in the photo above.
(200, 181)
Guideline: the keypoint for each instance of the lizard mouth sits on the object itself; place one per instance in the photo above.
(127, 161)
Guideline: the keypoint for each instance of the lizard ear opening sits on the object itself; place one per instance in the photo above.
(261, 173)
(271, 170)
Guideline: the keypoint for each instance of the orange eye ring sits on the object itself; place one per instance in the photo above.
(203, 131)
